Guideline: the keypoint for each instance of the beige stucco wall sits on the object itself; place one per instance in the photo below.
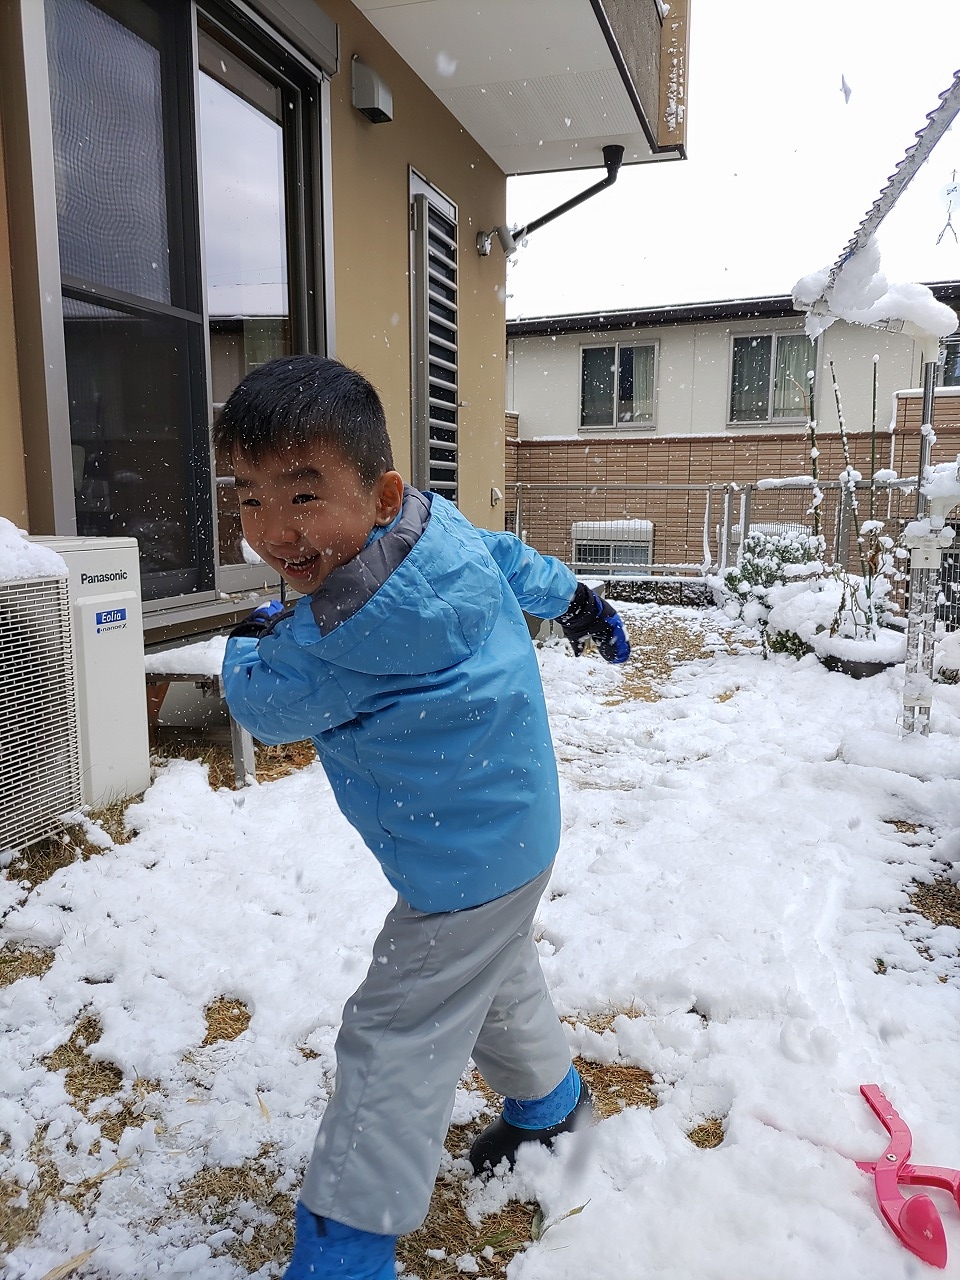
(693, 377)
(13, 485)
(372, 252)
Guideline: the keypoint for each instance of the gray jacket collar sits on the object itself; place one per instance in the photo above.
(347, 589)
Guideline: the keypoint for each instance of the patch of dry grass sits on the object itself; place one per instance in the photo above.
(448, 1229)
(278, 762)
(615, 1085)
(86, 1080)
(37, 862)
(604, 1020)
(17, 961)
(271, 762)
(217, 1197)
(226, 1018)
(89, 1082)
(709, 1133)
(21, 1209)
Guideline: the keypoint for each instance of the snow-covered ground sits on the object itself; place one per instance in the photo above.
(730, 870)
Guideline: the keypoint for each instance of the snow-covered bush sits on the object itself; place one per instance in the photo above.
(769, 558)
(799, 605)
(841, 614)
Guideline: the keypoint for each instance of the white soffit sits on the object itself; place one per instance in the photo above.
(532, 80)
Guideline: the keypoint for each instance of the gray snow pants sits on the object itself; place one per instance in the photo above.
(440, 988)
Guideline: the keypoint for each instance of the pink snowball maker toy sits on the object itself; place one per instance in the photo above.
(914, 1220)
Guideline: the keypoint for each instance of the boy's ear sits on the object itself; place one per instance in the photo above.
(389, 496)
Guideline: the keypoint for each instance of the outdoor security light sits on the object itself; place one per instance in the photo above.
(504, 234)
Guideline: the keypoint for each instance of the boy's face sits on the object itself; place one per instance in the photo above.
(306, 512)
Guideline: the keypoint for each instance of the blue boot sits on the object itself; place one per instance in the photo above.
(328, 1250)
(565, 1108)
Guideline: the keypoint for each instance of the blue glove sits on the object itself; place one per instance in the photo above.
(588, 615)
(260, 621)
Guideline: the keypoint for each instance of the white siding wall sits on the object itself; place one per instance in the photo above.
(693, 378)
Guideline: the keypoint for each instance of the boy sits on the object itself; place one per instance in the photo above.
(408, 662)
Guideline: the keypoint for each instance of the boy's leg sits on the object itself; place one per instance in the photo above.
(522, 1053)
(406, 1037)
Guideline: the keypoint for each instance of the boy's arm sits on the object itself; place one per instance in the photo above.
(543, 585)
(278, 691)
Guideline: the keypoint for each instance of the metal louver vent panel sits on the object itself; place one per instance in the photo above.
(39, 746)
(435, 349)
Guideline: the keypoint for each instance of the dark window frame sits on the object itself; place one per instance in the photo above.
(308, 195)
(616, 423)
(307, 283)
(951, 362)
(178, 110)
(769, 419)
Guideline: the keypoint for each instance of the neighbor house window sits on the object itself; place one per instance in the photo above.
(951, 363)
(768, 379)
(617, 385)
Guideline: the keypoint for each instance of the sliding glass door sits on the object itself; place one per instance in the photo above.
(189, 246)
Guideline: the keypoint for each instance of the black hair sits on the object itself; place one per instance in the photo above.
(297, 401)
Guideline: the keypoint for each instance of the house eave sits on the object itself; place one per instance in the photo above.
(607, 321)
(543, 85)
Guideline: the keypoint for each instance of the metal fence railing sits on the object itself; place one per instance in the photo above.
(657, 530)
(694, 529)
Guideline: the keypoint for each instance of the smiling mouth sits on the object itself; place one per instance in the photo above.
(302, 566)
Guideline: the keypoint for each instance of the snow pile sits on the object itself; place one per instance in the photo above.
(862, 295)
(814, 611)
(941, 488)
(732, 890)
(947, 657)
(21, 560)
(204, 658)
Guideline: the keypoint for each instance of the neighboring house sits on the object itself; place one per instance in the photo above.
(191, 187)
(735, 369)
(619, 422)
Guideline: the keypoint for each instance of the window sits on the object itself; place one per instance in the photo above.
(132, 314)
(617, 385)
(188, 224)
(435, 329)
(951, 363)
(768, 379)
(251, 118)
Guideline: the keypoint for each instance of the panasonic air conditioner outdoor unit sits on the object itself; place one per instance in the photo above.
(107, 627)
(39, 741)
(612, 547)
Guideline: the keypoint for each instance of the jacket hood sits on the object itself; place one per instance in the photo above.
(424, 596)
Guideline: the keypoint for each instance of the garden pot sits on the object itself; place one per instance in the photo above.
(857, 668)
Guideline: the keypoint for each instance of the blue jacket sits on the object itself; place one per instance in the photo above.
(412, 670)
